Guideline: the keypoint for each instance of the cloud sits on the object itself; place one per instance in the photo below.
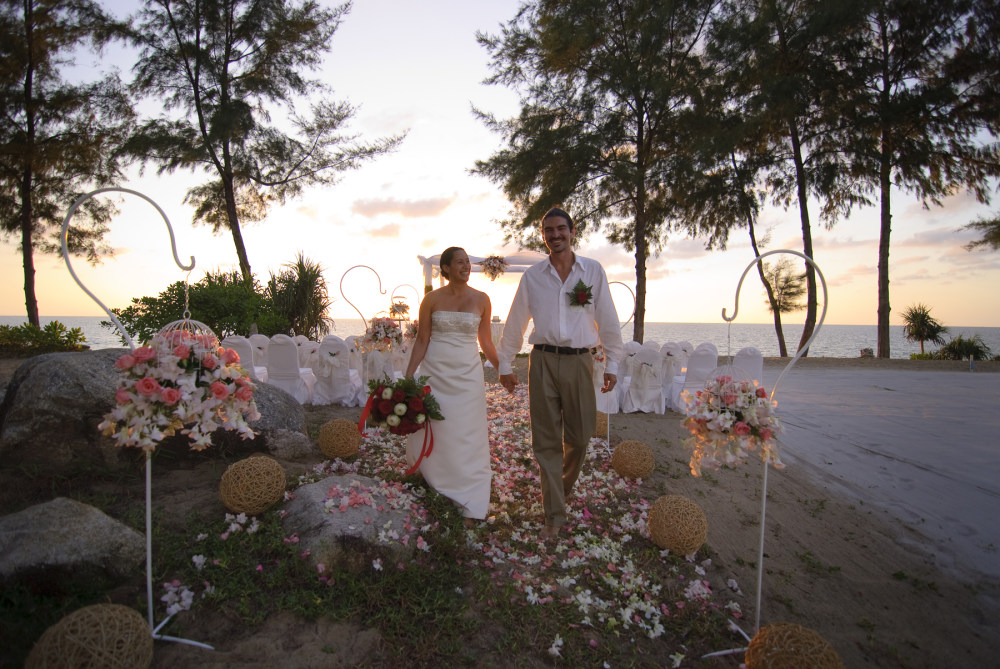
(390, 231)
(372, 207)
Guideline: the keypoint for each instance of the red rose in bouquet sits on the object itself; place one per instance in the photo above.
(402, 406)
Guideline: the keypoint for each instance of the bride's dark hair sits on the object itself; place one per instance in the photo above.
(446, 257)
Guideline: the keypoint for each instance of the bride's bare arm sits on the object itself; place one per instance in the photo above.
(486, 333)
(423, 335)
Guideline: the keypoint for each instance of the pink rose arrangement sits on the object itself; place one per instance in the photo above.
(727, 420)
(493, 267)
(382, 334)
(184, 383)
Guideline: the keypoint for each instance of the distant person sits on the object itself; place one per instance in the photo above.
(568, 299)
(451, 319)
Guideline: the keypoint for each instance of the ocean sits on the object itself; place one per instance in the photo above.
(833, 341)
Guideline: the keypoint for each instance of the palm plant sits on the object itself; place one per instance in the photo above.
(299, 293)
(961, 348)
(919, 325)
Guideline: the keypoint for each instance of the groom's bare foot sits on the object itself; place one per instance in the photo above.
(548, 533)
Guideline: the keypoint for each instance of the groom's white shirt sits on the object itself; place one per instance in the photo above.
(544, 298)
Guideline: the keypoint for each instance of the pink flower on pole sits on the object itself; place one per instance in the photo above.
(170, 396)
(761, 393)
(741, 428)
(209, 361)
(182, 351)
(244, 393)
(122, 396)
(125, 362)
(147, 386)
(144, 354)
(766, 434)
(219, 390)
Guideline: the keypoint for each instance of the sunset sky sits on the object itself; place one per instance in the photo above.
(417, 67)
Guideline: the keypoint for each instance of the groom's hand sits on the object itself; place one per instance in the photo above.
(508, 381)
(609, 382)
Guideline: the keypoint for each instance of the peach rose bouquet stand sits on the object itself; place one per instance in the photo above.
(182, 381)
(728, 419)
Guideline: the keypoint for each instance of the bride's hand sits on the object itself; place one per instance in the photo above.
(508, 381)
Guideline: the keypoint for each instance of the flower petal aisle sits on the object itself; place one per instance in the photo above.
(604, 577)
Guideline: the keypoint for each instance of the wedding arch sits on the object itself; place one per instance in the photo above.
(516, 262)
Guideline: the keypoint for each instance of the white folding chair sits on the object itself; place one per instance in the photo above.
(284, 372)
(307, 350)
(356, 365)
(244, 349)
(332, 367)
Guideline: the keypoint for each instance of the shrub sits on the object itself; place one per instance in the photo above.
(27, 339)
(961, 348)
(923, 356)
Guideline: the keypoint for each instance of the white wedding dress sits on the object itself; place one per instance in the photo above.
(459, 465)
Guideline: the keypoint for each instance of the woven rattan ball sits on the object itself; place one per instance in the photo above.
(678, 524)
(789, 645)
(633, 460)
(252, 485)
(339, 438)
(102, 635)
(601, 425)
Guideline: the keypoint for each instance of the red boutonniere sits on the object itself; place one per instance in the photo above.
(581, 295)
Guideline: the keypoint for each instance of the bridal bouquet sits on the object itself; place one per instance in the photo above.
(382, 333)
(180, 382)
(493, 267)
(727, 420)
(402, 406)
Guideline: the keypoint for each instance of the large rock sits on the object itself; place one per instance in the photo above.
(362, 520)
(66, 536)
(54, 402)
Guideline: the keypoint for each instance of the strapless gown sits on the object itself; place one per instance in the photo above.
(459, 466)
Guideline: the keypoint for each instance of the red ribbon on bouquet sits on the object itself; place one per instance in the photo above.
(426, 449)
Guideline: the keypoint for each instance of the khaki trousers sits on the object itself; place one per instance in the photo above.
(563, 410)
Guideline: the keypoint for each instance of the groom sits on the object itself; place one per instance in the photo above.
(568, 299)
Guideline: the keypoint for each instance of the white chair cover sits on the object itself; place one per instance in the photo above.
(260, 343)
(400, 359)
(668, 370)
(244, 349)
(284, 372)
(700, 365)
(649, 343)
(332, 367)
(307, 351)
(645, 392)
(377, 365)
(751, 361)
(686, 346)
(710, 346)
(357, 367)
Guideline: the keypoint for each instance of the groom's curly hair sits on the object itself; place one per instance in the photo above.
(446, 257)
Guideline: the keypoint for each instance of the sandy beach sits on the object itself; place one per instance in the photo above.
(881, 532)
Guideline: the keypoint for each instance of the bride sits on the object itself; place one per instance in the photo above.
(451, 320)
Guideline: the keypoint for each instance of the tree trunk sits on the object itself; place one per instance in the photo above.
(234, 227)
(803, 195)
(641, 253)
(775, 311)
(27, 212)
(885, 227)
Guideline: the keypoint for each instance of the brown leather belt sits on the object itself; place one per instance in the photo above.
(563, 350)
